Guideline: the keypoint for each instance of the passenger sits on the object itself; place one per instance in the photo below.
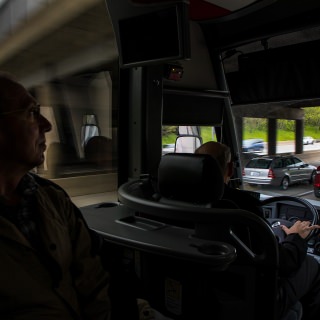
(48, 266)
(299, 272)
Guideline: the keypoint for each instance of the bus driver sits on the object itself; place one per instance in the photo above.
(299, 272)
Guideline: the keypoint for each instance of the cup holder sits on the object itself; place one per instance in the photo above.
(215, 249)
(107, 205)
(223, 254)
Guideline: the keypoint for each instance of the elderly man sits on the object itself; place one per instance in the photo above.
(48, 266)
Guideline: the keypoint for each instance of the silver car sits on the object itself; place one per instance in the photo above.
(278, 171)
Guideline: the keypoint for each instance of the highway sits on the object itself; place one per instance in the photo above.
(289, 146)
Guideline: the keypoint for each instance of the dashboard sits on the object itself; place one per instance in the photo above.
(292, 211)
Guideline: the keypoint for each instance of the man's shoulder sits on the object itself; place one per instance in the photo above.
(54, 191)
(44, 183)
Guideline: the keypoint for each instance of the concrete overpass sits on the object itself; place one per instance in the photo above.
(54, 39)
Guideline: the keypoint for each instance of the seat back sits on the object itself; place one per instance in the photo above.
(190, 178)
(98, 151)
(185, 285)
(195, 181)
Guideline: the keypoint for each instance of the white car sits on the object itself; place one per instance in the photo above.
(168, 148)
(308, 140)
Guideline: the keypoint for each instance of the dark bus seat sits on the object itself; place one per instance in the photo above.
(204, 270)
(190, 179)
(189, 190)
(197, 180)
(98, 151)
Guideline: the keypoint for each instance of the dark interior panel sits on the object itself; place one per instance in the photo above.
(277, 74)
(184, 109)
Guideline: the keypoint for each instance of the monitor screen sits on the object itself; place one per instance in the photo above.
(157, 36)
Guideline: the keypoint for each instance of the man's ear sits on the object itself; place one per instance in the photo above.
(230, 169)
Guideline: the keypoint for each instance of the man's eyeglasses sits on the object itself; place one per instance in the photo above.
(32, 113)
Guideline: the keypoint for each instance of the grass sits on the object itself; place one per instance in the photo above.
(206, 133)
(169, 138)
(282, 135)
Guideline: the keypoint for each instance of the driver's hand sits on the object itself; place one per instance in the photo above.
(303, 228)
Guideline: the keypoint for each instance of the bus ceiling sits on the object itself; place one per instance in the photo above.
(208, 9)
(231, 23)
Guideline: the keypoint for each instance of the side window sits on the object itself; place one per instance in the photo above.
(82, 150)
(278, 164)
(289, 162)
(297, 161)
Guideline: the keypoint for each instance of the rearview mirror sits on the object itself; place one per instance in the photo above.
(187, 143)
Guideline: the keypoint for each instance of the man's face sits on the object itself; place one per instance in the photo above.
(22, 130)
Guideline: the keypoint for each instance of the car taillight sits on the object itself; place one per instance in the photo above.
(316, 181)
(243, 172)
(271, 174)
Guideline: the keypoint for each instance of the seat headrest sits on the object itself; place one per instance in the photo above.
(193, 178)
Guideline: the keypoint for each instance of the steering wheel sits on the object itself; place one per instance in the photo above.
(276, 222)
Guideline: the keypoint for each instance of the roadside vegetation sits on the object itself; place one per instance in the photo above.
(257, 128)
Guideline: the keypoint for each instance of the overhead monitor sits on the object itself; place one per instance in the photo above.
(160, 35)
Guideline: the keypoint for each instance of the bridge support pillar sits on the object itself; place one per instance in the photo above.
(272, 136)
(299, 136)
(239, 132)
